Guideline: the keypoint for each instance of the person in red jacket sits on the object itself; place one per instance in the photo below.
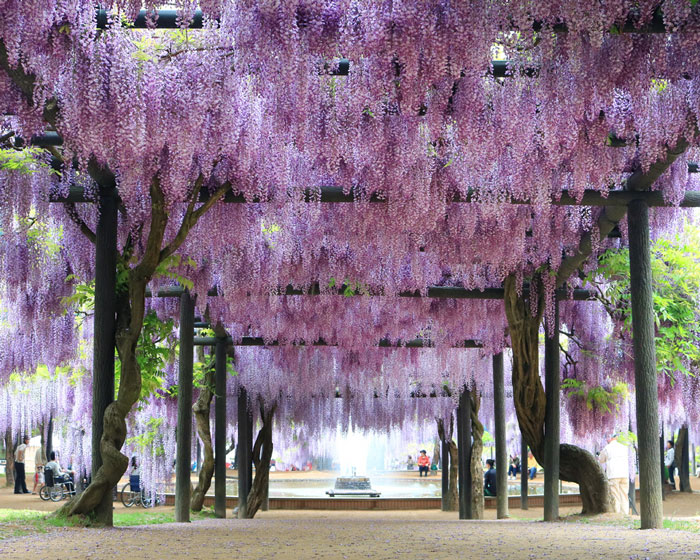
(423, 463)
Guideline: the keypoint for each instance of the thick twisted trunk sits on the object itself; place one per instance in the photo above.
(475, 466)
(262, 453)
(452, 496)
(580, 466)
(202, 414)
(130, 313)
(575, 464)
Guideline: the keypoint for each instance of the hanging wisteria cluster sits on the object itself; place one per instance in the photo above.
(421, 119)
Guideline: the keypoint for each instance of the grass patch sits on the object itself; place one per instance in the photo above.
(19, 522)
(153, 517)
(688, 525)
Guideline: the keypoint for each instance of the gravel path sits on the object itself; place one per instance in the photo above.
(337, 535)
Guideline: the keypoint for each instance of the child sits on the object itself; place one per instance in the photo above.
(38, 478)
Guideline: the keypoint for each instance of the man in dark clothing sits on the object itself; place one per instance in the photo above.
(490, 479)
(20, 481)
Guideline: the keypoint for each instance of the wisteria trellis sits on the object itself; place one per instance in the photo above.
(419, 117)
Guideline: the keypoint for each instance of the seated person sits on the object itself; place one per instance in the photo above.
(135, 475)
(533, 467)
(59, 475)
(423, 463)
(514, 469)
(490, 479)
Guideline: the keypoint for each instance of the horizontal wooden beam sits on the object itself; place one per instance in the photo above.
(332, 194)
(437, 292)
(384, 343)
(167, 19)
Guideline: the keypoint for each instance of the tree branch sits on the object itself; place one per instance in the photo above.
(192, 216)
(611, 215)
(26, 83)
(75, 217)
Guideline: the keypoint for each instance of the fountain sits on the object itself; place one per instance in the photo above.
(353, 486)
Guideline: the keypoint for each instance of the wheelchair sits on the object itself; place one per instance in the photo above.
(56, 490)
(134, 494)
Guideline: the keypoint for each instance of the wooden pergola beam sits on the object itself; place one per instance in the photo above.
(437, 292)
(384, 343)
(168, 19)
(333, 194)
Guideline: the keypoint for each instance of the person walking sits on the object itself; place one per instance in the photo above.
(670, 462)
(20, 481)
(615, 460)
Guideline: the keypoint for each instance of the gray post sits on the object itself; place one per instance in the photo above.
(245, 452)
(662, 450)
(445, 456)
(523, 473)
(499, 408)
(104, 327)
(684, 465)
(645, 380)
(551, 422)
(220, 435)
(464, 452)
(695, 462)
(183, 484)
(632, 493)
(49, 440)
(265, 506)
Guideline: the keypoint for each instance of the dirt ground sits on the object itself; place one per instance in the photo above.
(360, 534)
(287, 535)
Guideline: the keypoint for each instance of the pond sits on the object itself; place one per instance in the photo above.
(388, 486)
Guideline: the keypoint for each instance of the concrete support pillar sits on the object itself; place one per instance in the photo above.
(104, 327)
(220, 426)
(645, 375)
(551, 422)
(183, 460)
(464, 451)
(499, 407)
(523, 473)
(245, 452)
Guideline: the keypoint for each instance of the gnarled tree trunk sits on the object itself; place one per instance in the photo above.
(475, 465)
(130, 311)
(262, 453)
(202, 413)
(575, 464)
(452, 496)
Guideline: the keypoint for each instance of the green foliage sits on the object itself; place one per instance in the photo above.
(596, 397)
(676, 281)
(151, 354)
(149, 439)
(167, 269)
(25, 161)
